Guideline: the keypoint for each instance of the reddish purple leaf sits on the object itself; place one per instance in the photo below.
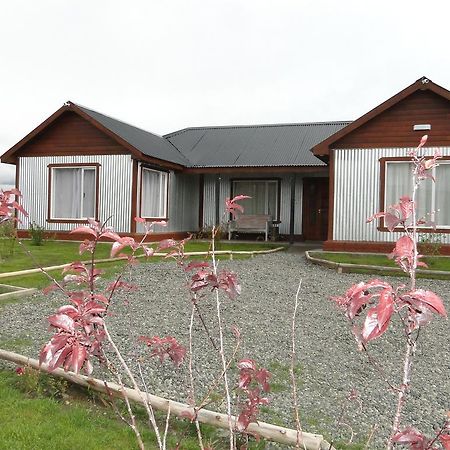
(239, 197)
(423, 141)
(196, 265)
(165, 347)
(227, 281)
(246, 364)
(371, 330)
(391, 221)
(412, 437)
(84, 230)
(385, 308)
(167, 243)
(430, 299)
(445, 441)
(75, 363)
(62, 321)
(111, 235)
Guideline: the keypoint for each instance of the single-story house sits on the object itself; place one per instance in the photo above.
(318, 181)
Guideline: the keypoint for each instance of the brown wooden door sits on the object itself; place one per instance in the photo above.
(315, 209)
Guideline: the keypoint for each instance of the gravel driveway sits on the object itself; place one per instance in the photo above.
(329, 364)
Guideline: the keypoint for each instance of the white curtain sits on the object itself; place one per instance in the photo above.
(442, 194)
(89, 196)
(66, 193)
(263, 193)
(154, 194)
(73, 193)
(399, 183)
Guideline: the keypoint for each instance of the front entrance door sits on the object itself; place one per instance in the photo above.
(315, 209)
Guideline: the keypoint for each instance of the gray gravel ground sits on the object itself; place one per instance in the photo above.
(328, 360)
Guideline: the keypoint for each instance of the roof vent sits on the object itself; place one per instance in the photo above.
(422, 127)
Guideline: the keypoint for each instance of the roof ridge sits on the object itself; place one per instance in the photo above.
(265, 125)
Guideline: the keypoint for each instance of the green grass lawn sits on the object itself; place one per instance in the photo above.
(49, 414)
(5, 290)
(42, 412)
(56, 253)
(441, 263)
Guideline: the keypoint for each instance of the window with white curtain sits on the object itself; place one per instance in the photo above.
(263, 193)
(154, 194)
(431, 197)
(73, 192)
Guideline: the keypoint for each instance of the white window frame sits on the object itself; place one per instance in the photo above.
(52, 189)
(164, 189)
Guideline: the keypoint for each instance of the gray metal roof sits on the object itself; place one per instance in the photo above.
(148, 143)
(256, 146)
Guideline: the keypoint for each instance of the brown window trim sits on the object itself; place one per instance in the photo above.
(381, 226)
(96, 166)
(278, 180)
(154, 219)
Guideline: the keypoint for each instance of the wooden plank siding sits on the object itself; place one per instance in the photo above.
(71, 134)
(394, 127)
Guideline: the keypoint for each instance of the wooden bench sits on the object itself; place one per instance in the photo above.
(251, 223)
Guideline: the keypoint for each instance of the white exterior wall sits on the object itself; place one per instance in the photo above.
(209, 211)
(114, 189)
(357, 192)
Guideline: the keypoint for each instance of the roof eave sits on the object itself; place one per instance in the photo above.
(260, 169)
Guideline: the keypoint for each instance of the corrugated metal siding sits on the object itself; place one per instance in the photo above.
(285, 201)
(209, 198)
(183, 204)
(357, 193)
(114, 189)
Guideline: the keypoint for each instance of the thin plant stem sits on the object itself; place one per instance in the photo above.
(122, 272)
(370, 437)
(298, 424)
(221, 342)
(191, 376)
(144, 398)
(204, 402)
(39, 266)
(377, 366)
(200, 316)
(401, 399)
(133, 424)
(410, 344)
(166, 429)
(146, 391)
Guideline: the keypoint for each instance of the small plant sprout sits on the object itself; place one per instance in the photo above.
(370, 306)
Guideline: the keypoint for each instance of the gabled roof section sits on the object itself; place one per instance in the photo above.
(253, 146)
(149, 144)
(322, 149)
(139, 142)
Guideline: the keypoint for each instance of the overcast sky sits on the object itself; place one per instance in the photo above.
(168, 64)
